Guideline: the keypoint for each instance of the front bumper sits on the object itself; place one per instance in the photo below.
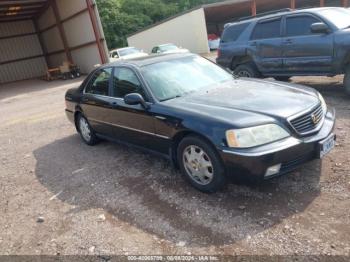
(290, 153)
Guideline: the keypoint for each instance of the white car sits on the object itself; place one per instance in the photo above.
(168, 49)
(126, 53)
(214, 44)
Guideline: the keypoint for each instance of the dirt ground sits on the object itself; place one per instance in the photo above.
(60, 196)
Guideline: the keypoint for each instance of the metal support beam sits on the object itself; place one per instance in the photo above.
(41, 41)
(292, 4)
(322, 3)
(61, 30)
(253, 7)
(345, 3)
(91, 8)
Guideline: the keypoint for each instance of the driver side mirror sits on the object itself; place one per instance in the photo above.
(135, 99)
(319, 28)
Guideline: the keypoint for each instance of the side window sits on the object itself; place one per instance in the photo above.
(232, 33)
(267, 29)
(125, 81)
(154, 50)
(300, 25)
(98, 84)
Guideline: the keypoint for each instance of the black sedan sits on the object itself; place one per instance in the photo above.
(210, 124)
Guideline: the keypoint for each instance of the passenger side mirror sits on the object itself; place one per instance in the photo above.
(135, 99)
(319, 28)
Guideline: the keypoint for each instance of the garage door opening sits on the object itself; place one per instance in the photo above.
(39, 34)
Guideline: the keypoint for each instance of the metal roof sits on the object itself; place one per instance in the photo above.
(227, 11)
(14, 10)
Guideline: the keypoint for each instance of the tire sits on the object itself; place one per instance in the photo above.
(86, 133)
(205, 171)
(347, 80)
(282, 78)
(247, 70)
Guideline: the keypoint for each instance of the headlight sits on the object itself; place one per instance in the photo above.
(255, 136)
(323, 103)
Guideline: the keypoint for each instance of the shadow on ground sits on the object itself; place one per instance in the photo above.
(26, 87)
(145, 192)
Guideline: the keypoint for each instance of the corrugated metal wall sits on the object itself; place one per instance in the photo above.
(26, 53)
(79, 32)
(20, 48)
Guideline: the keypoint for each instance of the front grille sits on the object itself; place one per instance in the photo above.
(308, 122)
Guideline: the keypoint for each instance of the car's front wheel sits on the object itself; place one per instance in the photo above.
(347, 80)
(85, 131)
(201, 165)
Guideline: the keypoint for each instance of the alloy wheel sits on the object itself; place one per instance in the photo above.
(85, 129)
(198, 165)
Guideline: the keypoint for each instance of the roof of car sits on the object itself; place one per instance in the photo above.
(263, 17)
(123, 48)
(151, 59)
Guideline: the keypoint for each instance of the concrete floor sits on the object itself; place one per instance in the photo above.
(111, 199)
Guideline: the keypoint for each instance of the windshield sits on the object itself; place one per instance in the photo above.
(340, 17)
(129, 51)
(175, 78)
(165, 48)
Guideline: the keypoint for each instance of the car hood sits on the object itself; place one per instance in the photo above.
(180, 50)
(269, 98)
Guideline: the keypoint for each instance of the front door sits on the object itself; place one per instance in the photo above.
(131, 123)
(305, 52)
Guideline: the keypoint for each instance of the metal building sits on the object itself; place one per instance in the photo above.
(40, 34)
(191, 29)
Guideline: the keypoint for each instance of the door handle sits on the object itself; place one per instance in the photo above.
(85, 99)
(288, 41)
(253, 44)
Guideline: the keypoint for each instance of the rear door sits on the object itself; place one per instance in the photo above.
(96, 101)
(306, 52)
(265, 45)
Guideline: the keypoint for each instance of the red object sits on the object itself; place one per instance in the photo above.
(219, 52)
(212, 37)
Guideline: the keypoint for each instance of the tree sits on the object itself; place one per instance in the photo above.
(123, 17)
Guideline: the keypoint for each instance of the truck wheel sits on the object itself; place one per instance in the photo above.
(201, 165)
(347, 80)
(247, 70)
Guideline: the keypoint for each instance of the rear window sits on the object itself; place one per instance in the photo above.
(232, 33)
(267, 29)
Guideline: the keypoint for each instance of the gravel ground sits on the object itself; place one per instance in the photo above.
(60, 196)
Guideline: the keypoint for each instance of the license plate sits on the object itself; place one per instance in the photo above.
(327, 145)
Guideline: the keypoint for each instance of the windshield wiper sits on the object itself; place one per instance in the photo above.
(173, 97)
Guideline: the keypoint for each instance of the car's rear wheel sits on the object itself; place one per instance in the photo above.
(347, 80)
(86, 132)
(247, 70)
(282, 78)
(201, 165)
